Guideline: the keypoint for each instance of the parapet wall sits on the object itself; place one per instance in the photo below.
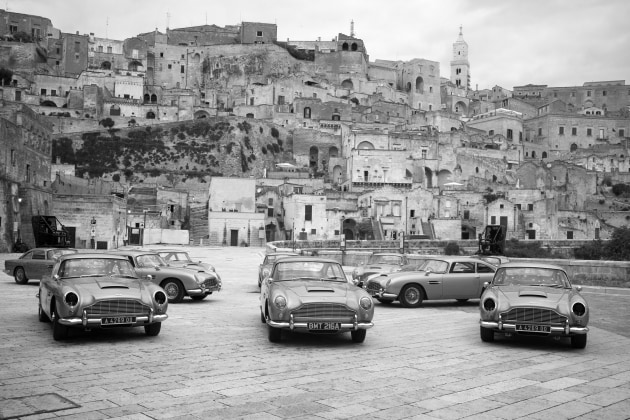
(581, 272)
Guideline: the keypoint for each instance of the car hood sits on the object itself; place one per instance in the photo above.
(547, 297)
(103, 287)
(315, 289)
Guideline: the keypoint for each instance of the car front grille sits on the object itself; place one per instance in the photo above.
(534, 316)
(117, 307)
(373, 286)
(323, 312)
(210, 282)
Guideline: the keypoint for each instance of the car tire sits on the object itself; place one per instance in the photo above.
(578, 341)
(274, 334)
(262, 318)
(385, 301)
(198, 297)
(174, 290)
(41, 314)
(60, 332)
(486, 334)
(411, 296)
(358, 336)
(20, 276)
(153, 329)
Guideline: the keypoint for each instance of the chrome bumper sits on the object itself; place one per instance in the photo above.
(501, 326)
(382, 295)
(304, 325)
(96, 322)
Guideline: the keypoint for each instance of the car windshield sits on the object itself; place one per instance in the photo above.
(415, 266)
(531, 276)
(385, 259)
(56, 253)
(150, 260)
(272, 258)
(435, 266)
(309, 270)
(89, 267)
(175, 256)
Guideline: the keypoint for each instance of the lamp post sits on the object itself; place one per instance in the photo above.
(144, 226)
(342, 236)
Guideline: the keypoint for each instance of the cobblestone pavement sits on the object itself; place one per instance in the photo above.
(213, 360)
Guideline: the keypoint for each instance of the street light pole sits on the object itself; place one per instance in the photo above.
(144, 226)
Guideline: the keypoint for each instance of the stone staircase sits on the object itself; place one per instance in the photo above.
(199, 226)
(427, 229)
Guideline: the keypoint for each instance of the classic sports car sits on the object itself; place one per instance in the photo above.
(444, 277)
(312, 294)
(533, 299)
(265, 268)
(177, 282)
(378, 263)
(99, 291)
(34, 264)
(180, 258)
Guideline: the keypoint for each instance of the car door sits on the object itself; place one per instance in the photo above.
(486, 274)
(38, 265)
(461, 281)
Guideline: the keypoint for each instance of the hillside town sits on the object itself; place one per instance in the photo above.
(229, 136)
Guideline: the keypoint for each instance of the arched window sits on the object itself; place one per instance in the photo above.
(354, 46)
(408, 87)
(154, 98)
(147, 98)
(344, 47)
(307, 112)
(477, 170)
(249, 115)
(544, 155)
(150, 115)
(336, 117)
(114, 110)
(333, 152)
(419, 84)
(106, 65)
(347, 84)
(574, 147)
(533, 153)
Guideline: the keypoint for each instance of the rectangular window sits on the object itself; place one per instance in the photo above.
(589, 132)
(161, 55)
(313, 231)
(573, 94)
(43, 92)
(412, 213)
(518, 206)
(280, 100)
(259, 33)
(604, 93)
(181, 69)
(270, 212)
(622, 132)
(77, 46)
(53, 92)
(520, 136)
(100, 48)
(561, 131)
(424, 154)
(493, 220)
(28, 173)
(308, 213)
(588, 93)
(270, 201)
(13, 157)
(569, 234)
(540, 131)
(510, 134)
(574, 131)
(170, 66)
(491, 133)
(109, 50)
(13, 29)
(530, 207)
(134, 53)
(466, 214)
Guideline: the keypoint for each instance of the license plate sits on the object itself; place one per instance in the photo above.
(118, 320)
(533, 328)
(324, 326)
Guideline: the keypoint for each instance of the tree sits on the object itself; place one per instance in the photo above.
(618, 248)
(22, 37)
(107, 123)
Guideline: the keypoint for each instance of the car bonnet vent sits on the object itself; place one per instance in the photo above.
(319, 289)
(112, 285)
(534, 293)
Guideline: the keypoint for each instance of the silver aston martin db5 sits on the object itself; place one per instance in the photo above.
(533, 299)
(308, 294)
(89, 291)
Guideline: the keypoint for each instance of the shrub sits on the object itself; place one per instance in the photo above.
(592, 251)
(451, 248)
(275, 133)
(620, 189)
(516, 249)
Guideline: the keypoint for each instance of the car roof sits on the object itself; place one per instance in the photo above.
(51, 248)
(92, 255)
(450, 258)
(132, 252)
(282, 253)
(166, 250)
(397, 254)
(526, 264)
(307, 259)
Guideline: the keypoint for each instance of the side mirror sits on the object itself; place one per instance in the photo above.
(56, 277)
(578, 288)
(149, 277)
(486, 284)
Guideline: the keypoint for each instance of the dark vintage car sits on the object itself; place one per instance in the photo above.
(378, 263)
(533, 299)
(89, 291)
(178, 282)
(309, 294)
(265, 267)
(34, 264)
(180, 258)
(444, 277)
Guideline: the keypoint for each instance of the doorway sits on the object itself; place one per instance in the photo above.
(233, 237)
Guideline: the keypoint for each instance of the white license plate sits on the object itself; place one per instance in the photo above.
(324, 326)
(533, 328)
(118, 320)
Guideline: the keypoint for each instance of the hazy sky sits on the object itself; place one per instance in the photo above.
(511, 42)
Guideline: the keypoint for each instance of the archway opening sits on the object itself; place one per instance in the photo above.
(313, 157)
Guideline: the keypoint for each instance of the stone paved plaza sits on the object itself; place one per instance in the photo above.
(213, 360)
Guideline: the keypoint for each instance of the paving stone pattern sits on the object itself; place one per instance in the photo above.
(213, 360)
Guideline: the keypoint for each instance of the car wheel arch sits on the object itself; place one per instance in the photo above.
(412, 283)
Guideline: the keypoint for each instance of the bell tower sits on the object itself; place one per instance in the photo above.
(460, 67)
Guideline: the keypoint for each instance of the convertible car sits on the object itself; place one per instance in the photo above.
(443, 277)
(180, 258)
(99, 291)
(176, 281)
(34, 264)
(378, 263)
(533, 299)
(308, 294)
(265, 267)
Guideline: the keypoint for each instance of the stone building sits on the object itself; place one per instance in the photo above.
(37, 27)
(460, 66)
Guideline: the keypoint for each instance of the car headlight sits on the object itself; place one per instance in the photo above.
(71, 299)
(160, 297)
(280, 302)
(578, 308)
(365, 302)
(489, 304)
(266, 272)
